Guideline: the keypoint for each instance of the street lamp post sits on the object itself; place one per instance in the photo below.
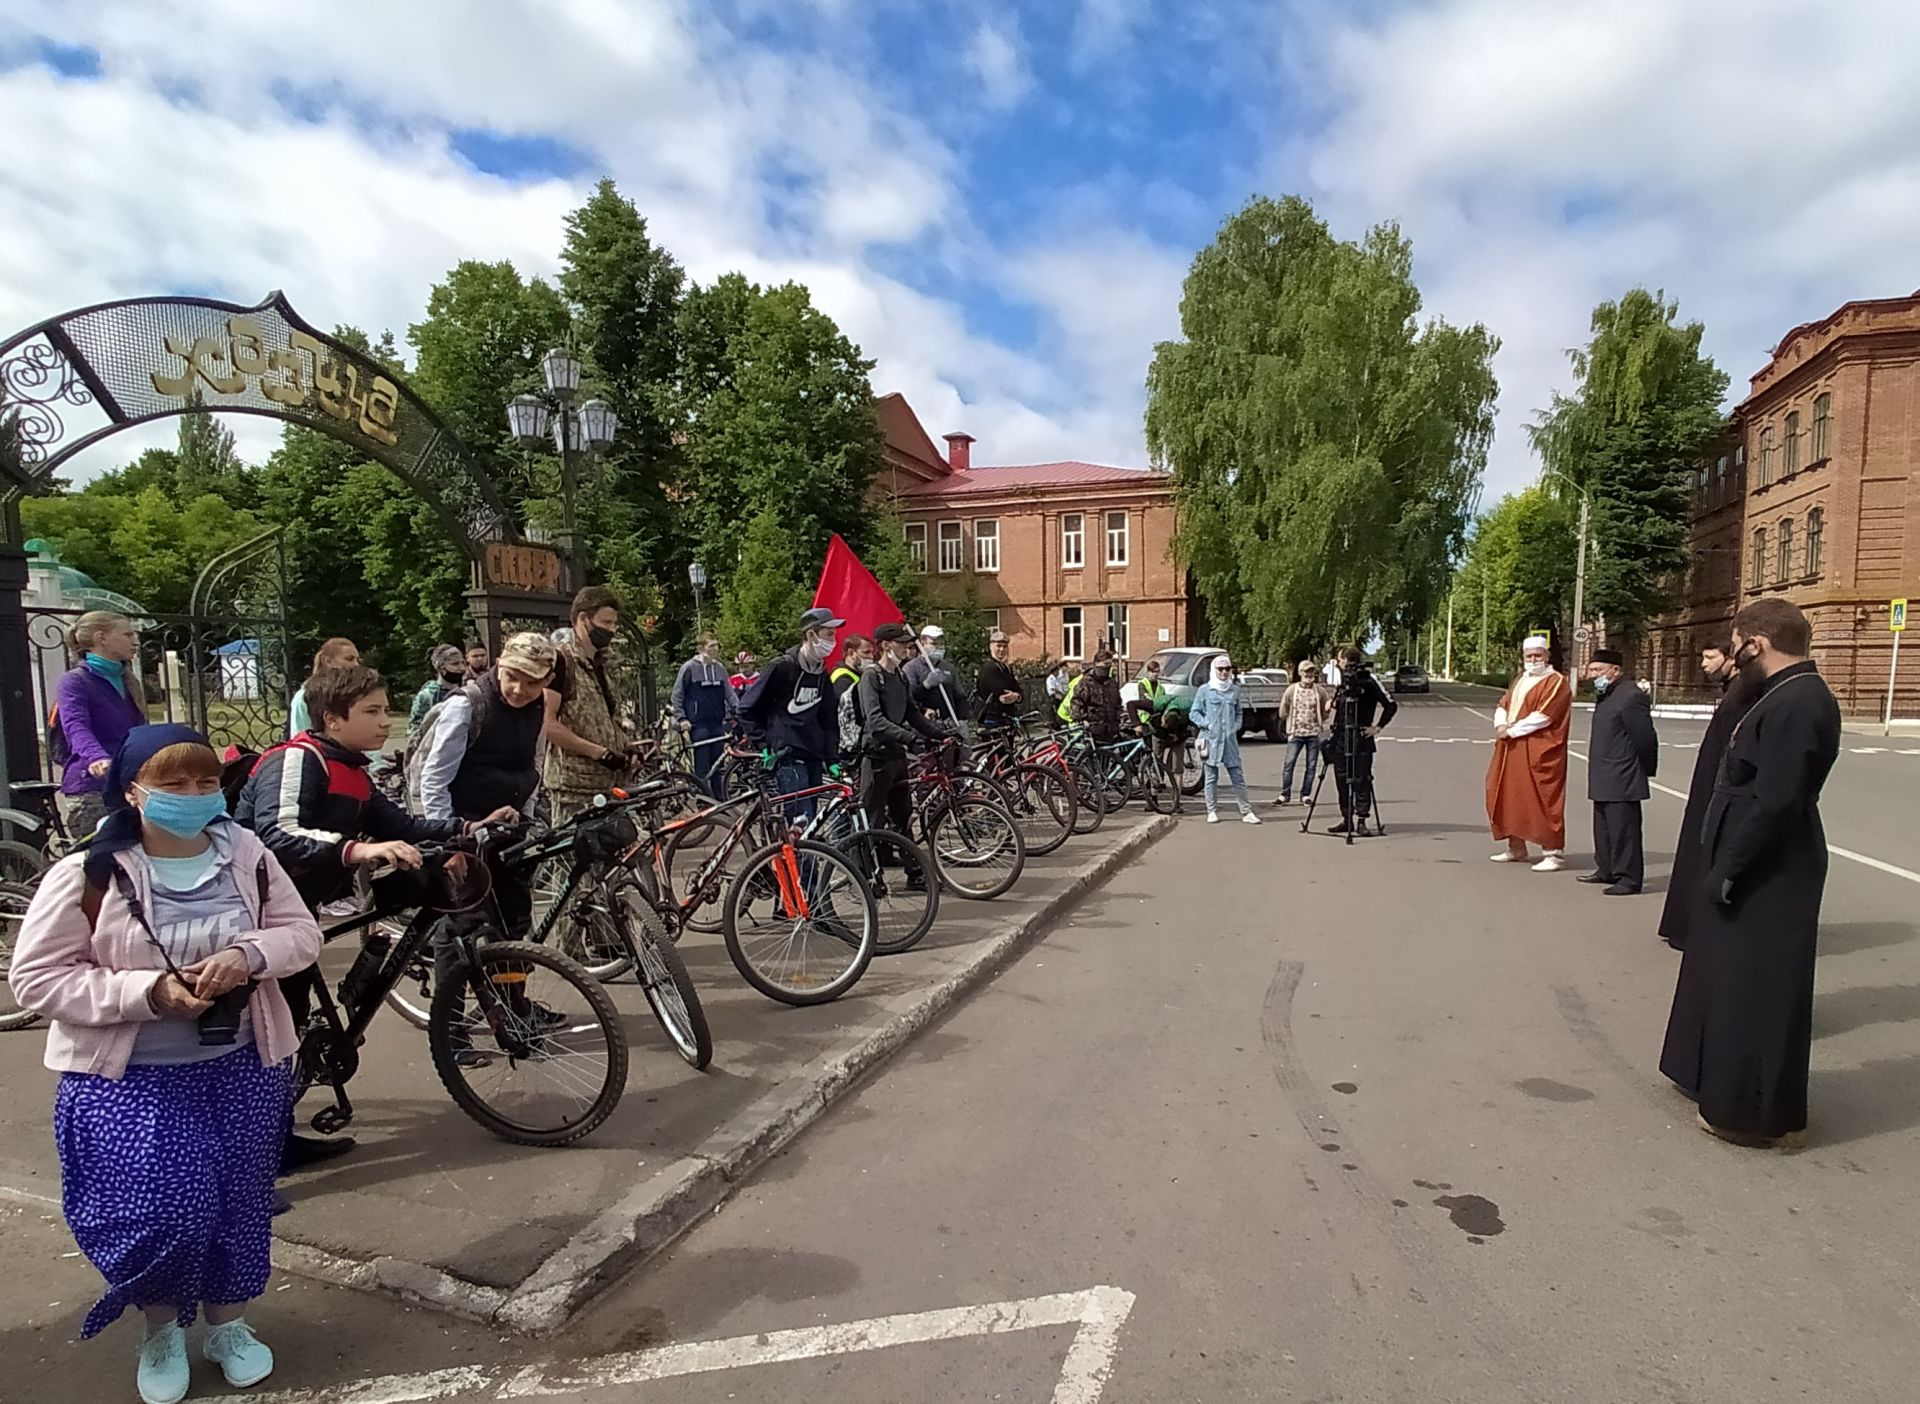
(588, 429)
(1579, 578)
(697, 575)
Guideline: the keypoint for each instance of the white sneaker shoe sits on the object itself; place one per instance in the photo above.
(1552, 863)
(1213, 817)
(1505, 855)
(1249, 818)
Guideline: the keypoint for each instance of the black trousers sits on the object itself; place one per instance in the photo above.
(1353, 777)
(884, 794)
(513, 895)
(1618, 852)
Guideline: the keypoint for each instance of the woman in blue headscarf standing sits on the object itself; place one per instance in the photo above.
(1216, 714)
(96, 704)
(156, 954)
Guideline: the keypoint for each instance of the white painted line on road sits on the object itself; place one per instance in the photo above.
(1099, 1312)
(1865, 860)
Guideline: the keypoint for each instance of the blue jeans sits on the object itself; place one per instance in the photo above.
(797, 772)
(1212, 786)
(1296, 746)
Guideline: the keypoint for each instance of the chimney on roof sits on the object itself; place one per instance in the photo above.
(959, 451)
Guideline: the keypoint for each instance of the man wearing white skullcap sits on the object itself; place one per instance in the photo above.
(1527, 780)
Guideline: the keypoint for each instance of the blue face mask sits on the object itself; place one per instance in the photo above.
(1600, 685)
(183, 816)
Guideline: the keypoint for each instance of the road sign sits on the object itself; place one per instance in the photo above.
(1546, 634)
(1582, 634)
(1897, 616)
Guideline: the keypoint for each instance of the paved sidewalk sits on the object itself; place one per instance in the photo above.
(434, 1208)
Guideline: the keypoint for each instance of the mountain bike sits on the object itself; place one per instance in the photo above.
(974, 840)
(14, 900)
(1039, 746)
(36, 814)
(900, 874)
(1045, 798)
(524, 1040)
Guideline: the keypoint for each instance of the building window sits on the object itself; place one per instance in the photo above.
(1072, 633)
(1766, 457)
(1822, 412)
(1740, 468)
(1793, 445)
(1816, 525)
(1758, 575)
(1119, 636)
(952, 548)
(986, 545)
(1784, 568)
(917, 545)
(1073, 543)
(1720, 479)
(1116, 538)
(990, 617)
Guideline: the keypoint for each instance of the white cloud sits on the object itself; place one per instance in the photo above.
(994, 58)
(1761, 162)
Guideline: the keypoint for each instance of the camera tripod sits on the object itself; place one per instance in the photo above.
(1362, 797)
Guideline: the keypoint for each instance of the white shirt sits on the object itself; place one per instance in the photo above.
(1529, 722)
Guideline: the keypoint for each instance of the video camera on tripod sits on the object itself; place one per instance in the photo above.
(1350, 751)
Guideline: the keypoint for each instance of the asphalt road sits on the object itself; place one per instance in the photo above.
(1333, 1124)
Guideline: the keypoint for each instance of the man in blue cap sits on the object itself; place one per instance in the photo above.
(790, 709)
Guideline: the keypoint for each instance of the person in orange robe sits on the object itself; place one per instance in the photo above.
(1527, 781)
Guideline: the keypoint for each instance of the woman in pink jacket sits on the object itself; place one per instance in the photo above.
(156, 954)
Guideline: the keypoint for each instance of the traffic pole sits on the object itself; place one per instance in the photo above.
(1893, 673)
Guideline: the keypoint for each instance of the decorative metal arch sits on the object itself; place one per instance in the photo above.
(141, 359)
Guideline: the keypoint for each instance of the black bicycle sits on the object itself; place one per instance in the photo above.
(525, 1041)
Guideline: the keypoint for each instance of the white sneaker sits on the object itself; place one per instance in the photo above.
(1213, 817)
(1249, 818)
(1552, 863)
(1505, 855)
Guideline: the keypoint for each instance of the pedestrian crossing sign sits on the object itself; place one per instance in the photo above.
(1897, 617)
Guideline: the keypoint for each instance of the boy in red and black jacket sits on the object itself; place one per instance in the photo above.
(312, 802)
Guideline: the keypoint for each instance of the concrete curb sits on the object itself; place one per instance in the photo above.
(656, 1212)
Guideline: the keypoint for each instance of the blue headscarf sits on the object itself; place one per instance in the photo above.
(120, 830)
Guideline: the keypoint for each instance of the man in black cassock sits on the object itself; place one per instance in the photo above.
(1622, 755)
(1687, 887)
(1741, 1032)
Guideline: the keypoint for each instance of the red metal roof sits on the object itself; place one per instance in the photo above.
(1069, 474)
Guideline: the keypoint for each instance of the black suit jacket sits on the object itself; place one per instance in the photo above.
(1625, 751)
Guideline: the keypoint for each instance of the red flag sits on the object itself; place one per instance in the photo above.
(850, 591)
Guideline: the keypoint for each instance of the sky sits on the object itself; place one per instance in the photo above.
(997, 200)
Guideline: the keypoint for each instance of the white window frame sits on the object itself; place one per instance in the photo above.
(1124, 535)
(986, 545)
(1073, 631)
(958, 541)
(1073, 542)
(916, 533)
(1120, 630)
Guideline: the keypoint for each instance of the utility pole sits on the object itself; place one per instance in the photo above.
(1449, 668)
(1579, 599)
(1483, 619)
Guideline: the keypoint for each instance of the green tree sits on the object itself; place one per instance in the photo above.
(1326, 447)
(779, 416)
(205, 462)
(886, 555)
(1522, 552)
(968, 629)
(142, 544)
(1645, 405)
(761, 603)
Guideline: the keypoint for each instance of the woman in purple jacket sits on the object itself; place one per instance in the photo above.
(98, 702)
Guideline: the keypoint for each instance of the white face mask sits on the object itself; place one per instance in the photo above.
(1536, 670)
(814, 651)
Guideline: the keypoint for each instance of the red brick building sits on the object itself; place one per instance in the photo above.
(1816, 496)
(1063, 556)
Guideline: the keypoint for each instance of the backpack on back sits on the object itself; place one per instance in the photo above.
(423, 744)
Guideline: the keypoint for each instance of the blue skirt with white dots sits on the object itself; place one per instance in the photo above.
(167, 1180)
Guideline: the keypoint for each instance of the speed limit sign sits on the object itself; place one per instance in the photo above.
(1582, 634)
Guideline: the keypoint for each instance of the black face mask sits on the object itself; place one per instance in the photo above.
(598, 636)
(1743, 660)
(454, 677)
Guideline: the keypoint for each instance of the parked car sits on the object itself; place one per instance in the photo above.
(1411, 677)
(1184, 670)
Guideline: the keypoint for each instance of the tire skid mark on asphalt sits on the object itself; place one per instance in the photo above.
(1437, 1281)
(1577, 1015)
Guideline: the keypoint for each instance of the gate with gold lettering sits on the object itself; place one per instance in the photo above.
(75, 379)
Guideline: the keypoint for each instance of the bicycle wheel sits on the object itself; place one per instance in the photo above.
(1155, 787)
(14, 899)
(976, 848)
(800, 922)
(1044, 805)
(1091, 796)
(1190, 765)
(905, 888)
(1116, 783)
(664, 980)
(528, 1045)
(20, 862)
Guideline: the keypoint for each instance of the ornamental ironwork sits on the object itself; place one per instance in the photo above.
(74, 379)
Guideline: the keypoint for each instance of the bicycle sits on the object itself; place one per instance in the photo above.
(1045, 798)
(14, 900)
(38, 812)
(975, 842)
(1039, 746)
(532, 1010)
(583, 858)
(906, 906)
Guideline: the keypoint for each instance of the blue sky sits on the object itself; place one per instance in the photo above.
(997, 200)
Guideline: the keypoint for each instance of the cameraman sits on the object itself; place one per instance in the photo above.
(1361, 710)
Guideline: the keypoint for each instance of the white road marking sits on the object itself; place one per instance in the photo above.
(1865, 860)
(1099, 1312)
